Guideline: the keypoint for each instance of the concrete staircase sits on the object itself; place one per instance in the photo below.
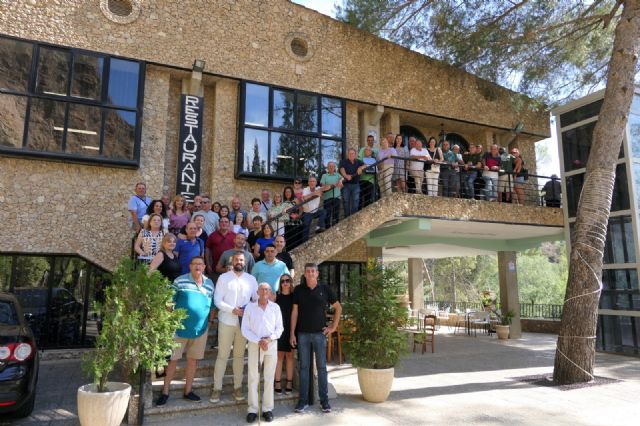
(202, 385)
(327, 244)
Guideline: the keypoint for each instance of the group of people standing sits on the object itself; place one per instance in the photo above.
(442, 168)
(212, 270)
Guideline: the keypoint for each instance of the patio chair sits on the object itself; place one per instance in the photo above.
(461, 322)
(480, 319)
(426, 335)
(339, 337)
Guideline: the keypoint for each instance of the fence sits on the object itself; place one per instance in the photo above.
(540, 311)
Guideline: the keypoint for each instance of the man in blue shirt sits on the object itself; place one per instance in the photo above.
(137, 206)
(270, 270)
(189, 248)
(194, 293)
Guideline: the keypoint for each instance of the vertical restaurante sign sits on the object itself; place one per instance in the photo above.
(190, 149)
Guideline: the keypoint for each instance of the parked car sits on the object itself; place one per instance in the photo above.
(58, 327)
(19, 359)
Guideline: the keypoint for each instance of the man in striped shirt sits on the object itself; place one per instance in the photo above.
(193, 293)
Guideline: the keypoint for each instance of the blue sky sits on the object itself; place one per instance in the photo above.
(545, 168)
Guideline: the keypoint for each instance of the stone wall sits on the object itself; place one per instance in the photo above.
(540, 325)
(250, 39)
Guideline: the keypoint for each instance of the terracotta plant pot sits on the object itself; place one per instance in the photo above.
(375, 385)
(502, 331)
(103, 408)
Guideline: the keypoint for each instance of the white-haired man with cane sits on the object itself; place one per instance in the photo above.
(262, 326)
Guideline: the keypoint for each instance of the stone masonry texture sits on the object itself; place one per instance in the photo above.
(67, 208)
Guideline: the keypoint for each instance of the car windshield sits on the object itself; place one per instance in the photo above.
(8, 315)
(32, 298)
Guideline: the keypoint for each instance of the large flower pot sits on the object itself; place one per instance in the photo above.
(375, 385)
(103, 408)
(502, 331)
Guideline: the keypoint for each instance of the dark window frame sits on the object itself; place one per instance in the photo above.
(240, 173)
(68, 100)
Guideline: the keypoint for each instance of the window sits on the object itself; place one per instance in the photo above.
(58, 295)
(620, 289)
(75, 105)
(620, 200)
(582, 113)
(286, 133)
(619, 246)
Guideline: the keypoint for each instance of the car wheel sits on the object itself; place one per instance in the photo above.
(27, 408)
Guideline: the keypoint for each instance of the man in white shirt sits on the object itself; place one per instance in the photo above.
(416, 168)
(312, 210)
(265, 201)
(262, 326)
(234, 290)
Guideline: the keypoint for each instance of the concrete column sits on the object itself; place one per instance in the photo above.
(416, 283)
(508, 278)
(374, 253)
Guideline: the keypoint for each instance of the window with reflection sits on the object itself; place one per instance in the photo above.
(582, 113)
(57, 295)
(634, 134)
(287, 133)
(619, 201)
(618, 334)
(620, 289)
(619, 246)
(77, 105)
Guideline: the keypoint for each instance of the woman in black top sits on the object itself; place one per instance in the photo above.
(166, 261)
(284, 299)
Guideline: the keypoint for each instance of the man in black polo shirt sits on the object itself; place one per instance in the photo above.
(309, 332)
(351, 168)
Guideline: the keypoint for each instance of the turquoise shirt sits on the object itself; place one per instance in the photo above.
(328, 179)
(269, 273)
(196, 301)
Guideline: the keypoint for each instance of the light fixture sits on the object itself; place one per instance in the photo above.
(198, 65)
(70, 130)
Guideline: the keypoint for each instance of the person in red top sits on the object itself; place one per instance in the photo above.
(219, 241)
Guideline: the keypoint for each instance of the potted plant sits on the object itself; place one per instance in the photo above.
(375, 339)
(502, 329)
(137, 333)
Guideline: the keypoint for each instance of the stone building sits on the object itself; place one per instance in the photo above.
(91, 99)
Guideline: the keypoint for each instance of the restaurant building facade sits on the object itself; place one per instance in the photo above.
(223, 98)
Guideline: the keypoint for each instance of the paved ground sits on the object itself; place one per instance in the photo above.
(468, 381)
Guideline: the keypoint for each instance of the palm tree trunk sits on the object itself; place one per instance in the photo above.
(575, 351)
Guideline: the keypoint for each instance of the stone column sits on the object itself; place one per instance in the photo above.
(508, 277)
(416, 283)
(374, 253)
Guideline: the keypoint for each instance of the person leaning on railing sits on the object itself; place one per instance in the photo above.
(518, 173)
(552, 192)
(385, 165)
(351, 170)
(416, 168)
(368, 178)
(331, 183)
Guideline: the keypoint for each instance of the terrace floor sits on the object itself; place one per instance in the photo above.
(468, 381)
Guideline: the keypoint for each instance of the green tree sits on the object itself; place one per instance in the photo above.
(552, 49)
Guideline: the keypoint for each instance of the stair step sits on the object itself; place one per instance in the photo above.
(204, 384)
(205, 368)
(177, 405)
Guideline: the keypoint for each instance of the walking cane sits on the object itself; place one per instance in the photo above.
(259, 399)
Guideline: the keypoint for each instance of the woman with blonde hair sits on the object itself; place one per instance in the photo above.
(166, 260)
(149, 239)
(179, 215)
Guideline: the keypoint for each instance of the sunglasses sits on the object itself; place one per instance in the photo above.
(286, 280)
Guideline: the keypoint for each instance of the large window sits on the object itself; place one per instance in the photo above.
(57, 295)
(69, 104)
(286, 133)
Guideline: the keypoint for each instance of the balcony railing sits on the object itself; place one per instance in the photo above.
(408, 176)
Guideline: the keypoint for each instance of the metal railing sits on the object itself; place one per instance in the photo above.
(415, 177)
(527, 310)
